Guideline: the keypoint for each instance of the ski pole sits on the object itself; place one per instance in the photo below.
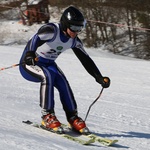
(93, 103)
(15, 65)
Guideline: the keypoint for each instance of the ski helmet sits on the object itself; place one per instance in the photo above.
(73, 19)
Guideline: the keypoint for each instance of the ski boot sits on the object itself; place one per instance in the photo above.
(51, 123)
(78, 125)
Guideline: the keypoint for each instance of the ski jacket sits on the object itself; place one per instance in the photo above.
(50, 41)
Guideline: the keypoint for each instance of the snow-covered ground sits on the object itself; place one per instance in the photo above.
(122, 112)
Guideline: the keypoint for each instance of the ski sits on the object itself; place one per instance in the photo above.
(82, 139)
(97, 138)
(101, 140)
(66, 134)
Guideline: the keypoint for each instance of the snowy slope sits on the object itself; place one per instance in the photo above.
(121, 113)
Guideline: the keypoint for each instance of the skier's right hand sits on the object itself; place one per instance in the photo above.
(30, 58)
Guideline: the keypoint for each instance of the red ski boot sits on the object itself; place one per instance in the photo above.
(78, 125)
(51, 123)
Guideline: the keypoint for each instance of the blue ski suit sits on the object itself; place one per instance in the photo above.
(48, 43)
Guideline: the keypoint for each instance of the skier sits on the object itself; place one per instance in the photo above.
(39, 65)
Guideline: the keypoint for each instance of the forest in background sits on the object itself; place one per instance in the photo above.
(122, 27)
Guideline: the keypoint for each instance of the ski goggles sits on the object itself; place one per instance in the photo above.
(75, 28)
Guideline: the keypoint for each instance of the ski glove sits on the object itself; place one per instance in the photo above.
(104, 81)
(30, 58)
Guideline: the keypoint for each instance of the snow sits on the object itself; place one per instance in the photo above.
(122, 112)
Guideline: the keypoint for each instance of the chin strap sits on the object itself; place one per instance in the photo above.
(66, 33)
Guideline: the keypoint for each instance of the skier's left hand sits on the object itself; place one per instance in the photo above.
(104, 81)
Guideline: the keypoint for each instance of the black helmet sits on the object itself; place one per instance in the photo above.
(73, 19)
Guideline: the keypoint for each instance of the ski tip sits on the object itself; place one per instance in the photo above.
(27, 122)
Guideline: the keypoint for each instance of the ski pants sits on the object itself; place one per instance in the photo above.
(51, 76)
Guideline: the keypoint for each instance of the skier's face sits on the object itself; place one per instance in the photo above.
(71, 33)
